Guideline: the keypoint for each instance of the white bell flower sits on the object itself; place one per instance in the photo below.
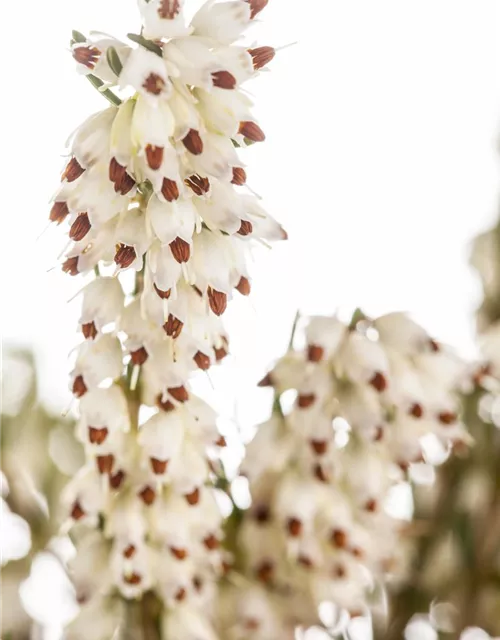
(161, 437)
(173, 224)
(132, 239)
(91, 56)
(146, 72)
(103, 301)
(96, 362)
(163, 18)
(222, 21)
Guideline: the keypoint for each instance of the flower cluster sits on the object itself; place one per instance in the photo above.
(155, 186)
(358, 411)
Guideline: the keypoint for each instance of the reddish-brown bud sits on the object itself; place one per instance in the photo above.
(252, 131)
(132, 578)
(304, 401)
(164, 295)
(239, 176)
(58, 212)
(261, 56)
(116, 480)
(98, 436)
(198, 184)
(139, 356)
(320, 447)
(379, 434)
(221, 442)
(320, 473)
(80, 227)
(222, 351)
(371, 505)
(265, 571)
(379, 382)
(315, 353)
(164, 405)
(202, 360)
(262, 514)
(246, 228)
(88, 56)
(154, 156)
(173, 326)
(339, 538)
(217, 301)
(193, 142)
(180, 554)
(159, 466)
(70, 265)
(256, 6)
(223, 80)
(181, 250)
(73, 170)
(125, 255)
(154, 84)
(169, 9)
(147, 495)
(416, 410)
(77, 513)
(179, 393)
(267, 381)
(125, 184)
(181, 594)
(89, 330)
(447, 417)
(243, 286)
(211, 542)
(339, 572)
(193, 497)
(169, 190)
(305, 561)
(294, 527)
(79, 387)
(105, 463)
(129, 551)
(434, 346)
(197, 583)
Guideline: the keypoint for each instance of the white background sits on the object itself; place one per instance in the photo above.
(380, 161)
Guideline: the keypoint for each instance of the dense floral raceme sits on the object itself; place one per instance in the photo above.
(360, 411)
(154, 185)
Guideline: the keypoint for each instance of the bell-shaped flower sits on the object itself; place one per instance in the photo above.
(323, 337)
(146, 72)
(96, 362)
(223, 21)
(91, 141)
(91, 56)
(173, 224)
(132, 239)
(163, 19)
(161, 438)
(103, 300)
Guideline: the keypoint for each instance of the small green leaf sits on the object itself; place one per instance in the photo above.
(78, 37)
(114, 61)
(144, 42)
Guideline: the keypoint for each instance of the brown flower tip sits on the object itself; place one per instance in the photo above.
(70, 265)
(125, 255)
(434, 346)
(211, 542)
(320, 447)
(251, 624)
(80, 227)
(357, 552)
(261, 56)
(244, 286)
(379, 382)
(173, 326)
(202, 360)
(304, 401)
(164, 405)
(339, 538)
(147, 495)
(447, 417)
(181, 250)
(222, 351)
(179, 393)
(252, 131)
(116, 480)
(315, 353)
(256, 6)
(379, 434)
(154, 156)
(73, 170)
(416, 410)
(89, 330)
(265, 571)
(118, 175)
(129, 551)
(139, 357)
(198, 184)
(217, 301)
(371, 506)
(223, 80)
(79, 387)
(169, 190)
(305, 561)
(154, 84)
(88, 56)
(246, 228)
(180, 554)
(239, 176)
(98, 435)
(105, 463)
(262, 514)
(198, 583)
(169, 9)
(320, 474)
(193, 497)
(164, 295)
(284, 234)
(181, 594)
(132, 578)
(294, 527)
(193, 142)
(221, 442)
(58, 212)
(77, 513)
(267, 381)
(159, 466)
(339, 572)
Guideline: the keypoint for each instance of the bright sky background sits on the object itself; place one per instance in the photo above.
(380, 161)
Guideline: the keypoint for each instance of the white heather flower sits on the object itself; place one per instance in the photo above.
(225, 111)
(323, 336)
(222, 21)
(83, 497)
(146, 73)
(91, 140)
(192, 61)
(103, 300)
(91, 56)
(398, 331)
(161, 438)
(132, 239)
(173, 224)
(96, 362)
(99, 619)
(163, 18)
(103, 412)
